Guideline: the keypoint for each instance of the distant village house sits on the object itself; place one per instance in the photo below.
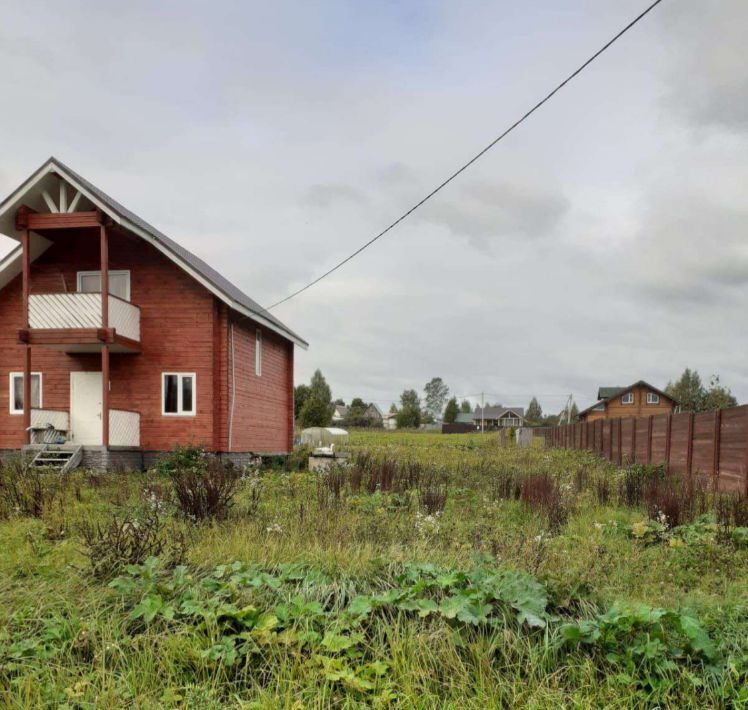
(638, 400)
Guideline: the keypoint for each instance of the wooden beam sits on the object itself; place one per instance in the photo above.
(105, 395)
(50, 202)
(22, 217)
(104, 245)
(26, 277)
(51, 337)
(69, 220)
(63, 196)
(74, 202)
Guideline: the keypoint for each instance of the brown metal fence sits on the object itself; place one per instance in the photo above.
(711, 445)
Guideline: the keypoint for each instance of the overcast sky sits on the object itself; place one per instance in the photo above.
(603, 242)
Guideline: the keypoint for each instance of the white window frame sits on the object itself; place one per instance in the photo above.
(653, 398)
(180, 376)
(11, 393)
(627, 398)
(258, 353)
(112, 272)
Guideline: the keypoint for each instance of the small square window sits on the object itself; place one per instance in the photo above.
(653, 398)
(258, 353)
(16, 391)
(178, 394)
(628, 398)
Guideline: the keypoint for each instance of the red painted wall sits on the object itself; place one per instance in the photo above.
(183, 329)
(259, 418)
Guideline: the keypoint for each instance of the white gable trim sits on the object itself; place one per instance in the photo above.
(52, 167)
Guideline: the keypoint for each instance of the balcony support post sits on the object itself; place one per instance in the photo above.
(104, 239)
(105, 395)
(26, 286)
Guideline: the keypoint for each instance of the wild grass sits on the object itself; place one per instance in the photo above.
(609, 583)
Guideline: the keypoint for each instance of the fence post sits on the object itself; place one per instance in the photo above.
(610, 440)
(668, 431)
(620, 442)
(689, 446)
(633, 440)
(650, 424)
(717, 442)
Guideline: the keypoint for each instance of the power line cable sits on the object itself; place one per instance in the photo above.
(476, 157)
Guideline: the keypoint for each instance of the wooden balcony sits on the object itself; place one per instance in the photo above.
(52, 426)
(72, 322)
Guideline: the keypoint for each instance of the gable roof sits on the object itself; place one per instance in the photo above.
(608, 392)
(605, 394)
(186, 260)
(464, 418)
(497, 412)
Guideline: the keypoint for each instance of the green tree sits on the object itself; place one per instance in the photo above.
(534, 413)
(717, 396)
(357, 413)
(436, 395)
(300, 396)
(409, 415)
(318, 407)
(688, 391)
(465, 407)
(451, 411)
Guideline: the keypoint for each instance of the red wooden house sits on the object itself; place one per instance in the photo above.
(173, 354)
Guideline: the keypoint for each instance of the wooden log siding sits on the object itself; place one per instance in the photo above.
(710, 446)
(182, 329)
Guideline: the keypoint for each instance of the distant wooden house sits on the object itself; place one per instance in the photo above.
(638, 400)
(498, 417)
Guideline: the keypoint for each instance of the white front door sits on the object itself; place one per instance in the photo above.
(85, 408)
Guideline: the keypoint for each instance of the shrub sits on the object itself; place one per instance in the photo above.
(633, 481)
(432, 495)
(26, 489)
(130, 540)
(203, 486)
(673, 501)
(732, 512)
(298, 459)
(330, 486)
(541, 493)
(206, 492)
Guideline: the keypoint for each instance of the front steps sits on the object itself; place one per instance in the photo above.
(62, 458)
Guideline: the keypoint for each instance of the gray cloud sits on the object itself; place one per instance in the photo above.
(599, 243)
(326, 196)
(486, 212)
(708, 82)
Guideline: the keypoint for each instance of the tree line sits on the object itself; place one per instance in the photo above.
(314, 405)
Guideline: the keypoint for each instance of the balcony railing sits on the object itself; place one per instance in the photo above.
(82, 310)
(49, 426)
(124, 428)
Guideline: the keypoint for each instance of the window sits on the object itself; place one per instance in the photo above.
(653, 398)
(178, 394)
(258, 353)
(628, 398)
(119, 283)
(16, 391)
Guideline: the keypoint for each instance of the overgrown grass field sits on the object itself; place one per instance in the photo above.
(432, 571)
